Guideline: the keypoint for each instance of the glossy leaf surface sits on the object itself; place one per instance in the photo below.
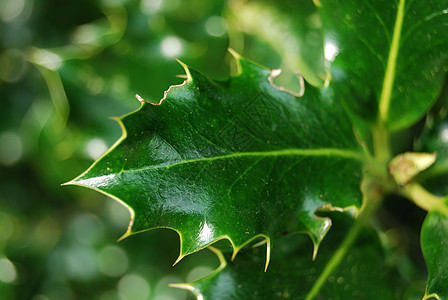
(234, 159)
(434, 240)
(362, 274)
(390, 56)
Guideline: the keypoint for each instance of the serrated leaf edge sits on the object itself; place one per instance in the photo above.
(223, 263)
(329, 207)
(433, 295)
(190, 287)
(189, 78)
(165, 93)
(234, 247)
(277, 72)
(131, 211)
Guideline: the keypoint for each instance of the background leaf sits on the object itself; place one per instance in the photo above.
(434, 139)
(434, 232)
(364, 273)
(54, 122)
(291, 28)
(361, 33)
(66, 67)
(234, 159)
(434, 238)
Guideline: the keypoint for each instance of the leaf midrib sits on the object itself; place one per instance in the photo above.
(389, 77)
(328, 152)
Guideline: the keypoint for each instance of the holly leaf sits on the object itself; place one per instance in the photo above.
(434, 139)
(434, 233)
(390, 57)
(363, 273)
(235, 159)
(291, 28)
(434, 241)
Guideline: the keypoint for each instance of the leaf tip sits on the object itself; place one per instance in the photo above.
(237, 57)
(140, 99)
(75, 181)
(268, 253)
(235, 252)
(128, 232)
(267, 241)
(179, 258)
(316, 239)
(191, 286)
(186, 69)
(235, 54)
(188, 287)
(188, 76)
(431, 296)
(222, 260)
(315, 250)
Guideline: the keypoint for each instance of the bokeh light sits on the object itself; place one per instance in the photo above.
(11, 148)
(112, 261)
(133, 286)
(216, 26)
(171, 46)
(66, 68)
(8, 272)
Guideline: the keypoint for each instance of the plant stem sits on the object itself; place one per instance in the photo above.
(424, 199)
(381, 144)
(380, 133)
(369, 207)
(389, 77)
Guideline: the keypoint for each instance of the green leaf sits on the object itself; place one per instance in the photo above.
(434, 139)
(390, 56)
(434, 234)
(434, 241)
(235, 159)
(291, 28)
(362, 274)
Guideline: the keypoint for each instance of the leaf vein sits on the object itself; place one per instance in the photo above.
(241, 176)
(342, 153)
(423, 21)
(367, 44)
(377, 15)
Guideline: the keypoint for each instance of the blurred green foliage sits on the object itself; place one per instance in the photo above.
(65, 67)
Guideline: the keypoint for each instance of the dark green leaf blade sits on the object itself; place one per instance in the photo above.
(434, 139)
(434, 233)
(235, 159)
(434, 241)
(390, 56)
(363, 274)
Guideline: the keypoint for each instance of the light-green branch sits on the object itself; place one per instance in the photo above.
(389, 77)
(424, 199)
